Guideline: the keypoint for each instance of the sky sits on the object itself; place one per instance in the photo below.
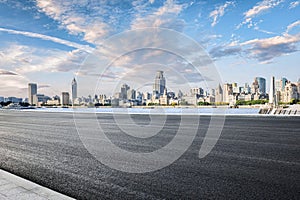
(104, 44)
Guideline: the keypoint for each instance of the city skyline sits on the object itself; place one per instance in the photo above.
(280, 90)
(49, 42)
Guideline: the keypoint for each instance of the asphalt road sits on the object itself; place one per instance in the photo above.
(255, 158)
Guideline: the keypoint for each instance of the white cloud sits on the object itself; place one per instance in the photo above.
(219, 12)
(294, 4)
(93, 28)
(165, 16)
(291, 26)
(25, 59)
(263, 50)
(12, 84)
(49, 38)
(7, 73)
(259, 8)
(262, 7)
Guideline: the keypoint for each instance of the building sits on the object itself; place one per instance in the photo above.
(280, 84)
(261, 85)
(290, 92)
(65, 98)
(272, 94)
(39, 99)
(227, 91)
(32, 90)
(164, 100)
(180, 94)
(159, 84)
(197, 91)
(124, 91)
(235, 88)
(14, 99)
(54, 101)
(74, 90)
(255, 87)
(247, 89)
(219, 94)
(131, 94)
(1, 99)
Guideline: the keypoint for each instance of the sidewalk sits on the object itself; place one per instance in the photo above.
(13, 187)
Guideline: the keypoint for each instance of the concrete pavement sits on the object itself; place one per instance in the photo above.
(13, 187)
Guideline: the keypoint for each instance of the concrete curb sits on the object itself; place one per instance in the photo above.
(13, 187)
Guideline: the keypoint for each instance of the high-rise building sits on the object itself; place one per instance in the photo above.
(280, 84)
(219, 94)
(235, 88)
(227, 92)
(255, 87)
(131, 94)
(74, 90)
(124, 91)
(290, 92)
(159, 84)
(272, 95)
(261, 85)
(32, 90)
(180, 94)
(247, 88)
(65, 98)
(197, 91)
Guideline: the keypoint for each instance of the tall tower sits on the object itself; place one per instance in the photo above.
(159, 84)
(272, 99)
(261, 85)
(32, 90)
(124, 90)
(74, 90)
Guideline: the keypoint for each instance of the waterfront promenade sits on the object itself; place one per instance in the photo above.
(255, 158)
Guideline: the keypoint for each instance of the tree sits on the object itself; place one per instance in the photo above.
(24, 104)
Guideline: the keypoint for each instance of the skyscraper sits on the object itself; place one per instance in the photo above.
(227, 91)
(32, 90)
(124, 89)
(219, 94)
(65, 98)
(272, 99)
(74, 90)
(159, 84)
(261, 85)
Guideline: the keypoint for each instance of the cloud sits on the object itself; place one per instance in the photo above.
(223, 51)
(291, 26)
(13, 85)
(74, 20)
(49, 38)
(4, 72)
(294, 4)
(264, 50)
(270, 48)
(134, 56)
(164, 16)
(40, 86)
(26, 59)
(219, 12)
(259, 8)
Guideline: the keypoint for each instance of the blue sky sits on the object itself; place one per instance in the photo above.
(50, 42)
